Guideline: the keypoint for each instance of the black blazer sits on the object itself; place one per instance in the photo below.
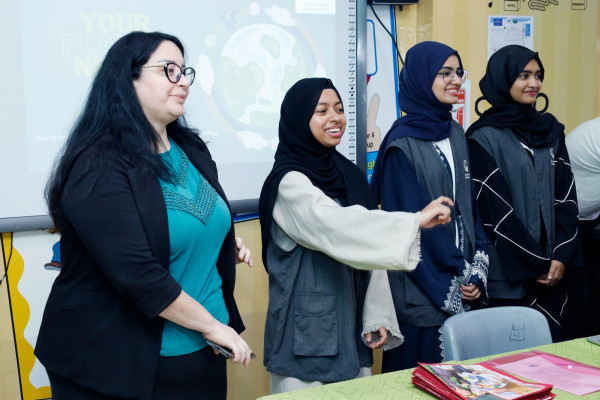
(100, 327)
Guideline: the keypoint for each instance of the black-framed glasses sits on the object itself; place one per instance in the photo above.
(449, 74)
(174, 72)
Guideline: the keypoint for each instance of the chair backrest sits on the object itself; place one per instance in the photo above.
(493, 330)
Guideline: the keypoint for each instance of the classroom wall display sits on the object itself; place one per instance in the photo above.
(508, 29)
(461, 110)
(382, 83)
(246, 54)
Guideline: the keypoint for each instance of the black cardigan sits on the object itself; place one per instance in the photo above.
(100, 327)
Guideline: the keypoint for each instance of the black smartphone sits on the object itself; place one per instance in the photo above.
(226, 352)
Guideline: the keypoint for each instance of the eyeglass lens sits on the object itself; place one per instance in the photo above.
(173, 72)
(448, 75)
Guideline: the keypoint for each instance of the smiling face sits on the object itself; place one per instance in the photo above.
(161, 99)
(447, 93)
(328, 121)
(528, 84)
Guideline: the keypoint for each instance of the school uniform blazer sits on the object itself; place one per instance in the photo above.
(100, 327)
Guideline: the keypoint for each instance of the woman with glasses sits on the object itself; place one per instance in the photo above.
(147, 241)
(423, 156)
(321, 234)
(526, 191)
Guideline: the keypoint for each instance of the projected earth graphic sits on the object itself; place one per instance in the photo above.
(257, 64)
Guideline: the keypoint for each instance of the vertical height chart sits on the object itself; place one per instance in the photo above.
(350, 108)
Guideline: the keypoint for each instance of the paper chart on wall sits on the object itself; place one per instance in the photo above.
(504, 30)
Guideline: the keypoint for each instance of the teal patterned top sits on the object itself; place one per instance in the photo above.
(198, 223)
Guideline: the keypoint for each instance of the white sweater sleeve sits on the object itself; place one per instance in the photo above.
(355, 236)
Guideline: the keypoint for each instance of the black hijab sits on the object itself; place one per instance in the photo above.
(299, 150)
(532, 128)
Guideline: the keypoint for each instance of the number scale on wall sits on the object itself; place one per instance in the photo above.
(350, 108)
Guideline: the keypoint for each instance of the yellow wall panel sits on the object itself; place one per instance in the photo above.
(9, 375)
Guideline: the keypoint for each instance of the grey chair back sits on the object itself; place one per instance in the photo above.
(493, 330)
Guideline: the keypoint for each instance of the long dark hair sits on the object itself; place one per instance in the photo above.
(112, 120)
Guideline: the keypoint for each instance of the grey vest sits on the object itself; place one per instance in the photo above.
(531, 183)
(311, 330)
(530, 177)
(433, 177)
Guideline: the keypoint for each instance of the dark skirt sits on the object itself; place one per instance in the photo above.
(590, 239)
(199, 375)
(421, 344)
(563, 305)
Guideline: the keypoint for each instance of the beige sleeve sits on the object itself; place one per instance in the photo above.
(358, 237)
(379, 310)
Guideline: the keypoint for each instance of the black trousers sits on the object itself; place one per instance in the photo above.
(195, 376)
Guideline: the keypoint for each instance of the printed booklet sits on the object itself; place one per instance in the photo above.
(476, 381)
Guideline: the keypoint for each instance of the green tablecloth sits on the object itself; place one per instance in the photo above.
(397, 385)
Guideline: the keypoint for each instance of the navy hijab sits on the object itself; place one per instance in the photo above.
(299, 150)
(426, 117)
(532, 128)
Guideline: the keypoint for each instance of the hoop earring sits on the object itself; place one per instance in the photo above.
(547, 102)
(479, 113)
